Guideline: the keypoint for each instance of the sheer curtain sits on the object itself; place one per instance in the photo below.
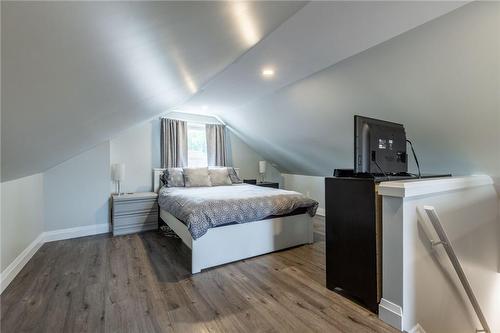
(174, 143)
(216, 144)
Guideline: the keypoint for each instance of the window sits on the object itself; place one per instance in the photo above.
(197, 145)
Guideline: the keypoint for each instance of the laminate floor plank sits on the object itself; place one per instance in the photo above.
(268, 305)
(295, 298)
(142, 283)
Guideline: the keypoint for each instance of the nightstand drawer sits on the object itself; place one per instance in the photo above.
(135, 206)
(135, 223)
(135, 218)
(134, 212)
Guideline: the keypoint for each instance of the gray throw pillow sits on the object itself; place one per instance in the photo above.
(173, 177)
(194, 177)
(233, 175)
(219, 176)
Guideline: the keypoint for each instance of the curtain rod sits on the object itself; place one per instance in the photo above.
(217, 118)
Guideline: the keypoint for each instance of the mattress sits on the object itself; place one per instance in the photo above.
(202, 208)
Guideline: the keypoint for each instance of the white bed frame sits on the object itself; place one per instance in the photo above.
(234, 242)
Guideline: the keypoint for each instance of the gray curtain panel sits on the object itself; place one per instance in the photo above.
(216, 144)
(174, 143)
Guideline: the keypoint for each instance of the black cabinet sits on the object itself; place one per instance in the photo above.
(354, 239)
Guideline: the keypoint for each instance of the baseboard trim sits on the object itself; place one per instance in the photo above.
(391, 313)
(88, 230)
(417, 329)
(320, 211)
(22, 259)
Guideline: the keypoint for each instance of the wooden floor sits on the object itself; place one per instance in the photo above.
(141, 283)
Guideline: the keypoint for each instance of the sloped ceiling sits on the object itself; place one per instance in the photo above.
(299, 120)
(75, 74)
(441, 80)
(318, 36)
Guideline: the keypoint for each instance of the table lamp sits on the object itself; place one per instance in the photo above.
(118, 171)
(262, 170)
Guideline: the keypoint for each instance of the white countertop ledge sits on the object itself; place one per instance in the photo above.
(418, 187)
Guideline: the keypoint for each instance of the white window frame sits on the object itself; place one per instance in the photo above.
(198, 160)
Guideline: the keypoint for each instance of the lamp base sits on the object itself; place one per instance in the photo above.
(118, 190)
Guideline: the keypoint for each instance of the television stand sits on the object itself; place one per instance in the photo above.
(354, 236)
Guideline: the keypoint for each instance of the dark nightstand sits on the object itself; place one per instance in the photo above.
(263, 184)
(268, 184)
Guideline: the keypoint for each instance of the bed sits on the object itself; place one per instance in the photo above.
(282, 220)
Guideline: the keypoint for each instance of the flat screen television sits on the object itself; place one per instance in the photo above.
(379, 147)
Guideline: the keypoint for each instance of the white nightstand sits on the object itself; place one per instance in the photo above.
(134, 212)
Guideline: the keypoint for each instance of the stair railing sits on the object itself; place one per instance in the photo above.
(443, 240)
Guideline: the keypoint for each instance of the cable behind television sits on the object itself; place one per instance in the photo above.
(415, 157)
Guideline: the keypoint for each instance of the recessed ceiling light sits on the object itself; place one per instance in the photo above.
(268, 72)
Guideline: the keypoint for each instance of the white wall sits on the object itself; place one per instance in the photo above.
(139, 149)
(22, 214)
(73, 194)
(247, 160)
(421, 278)
(76, 192)
(311, 186)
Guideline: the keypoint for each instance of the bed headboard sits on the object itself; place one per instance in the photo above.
(157, 172)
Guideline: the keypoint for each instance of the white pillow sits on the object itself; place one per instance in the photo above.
(194, 177)
(173, 177)
(219, 176)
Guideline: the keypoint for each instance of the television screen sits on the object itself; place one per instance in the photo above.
(379, 147)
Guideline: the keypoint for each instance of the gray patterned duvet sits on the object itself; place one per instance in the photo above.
(202, 208)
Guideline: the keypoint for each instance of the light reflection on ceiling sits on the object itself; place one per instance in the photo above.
(153, 73)
(245, 21)
(97, 68)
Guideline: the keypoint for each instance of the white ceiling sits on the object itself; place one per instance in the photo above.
(441, 80)
(318, 36)
(75, 74)
(297, 120)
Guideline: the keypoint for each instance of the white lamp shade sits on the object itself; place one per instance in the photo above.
(262, 166)
(118, 171)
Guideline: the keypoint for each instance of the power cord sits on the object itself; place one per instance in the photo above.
(378, 166)
(415, 157)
